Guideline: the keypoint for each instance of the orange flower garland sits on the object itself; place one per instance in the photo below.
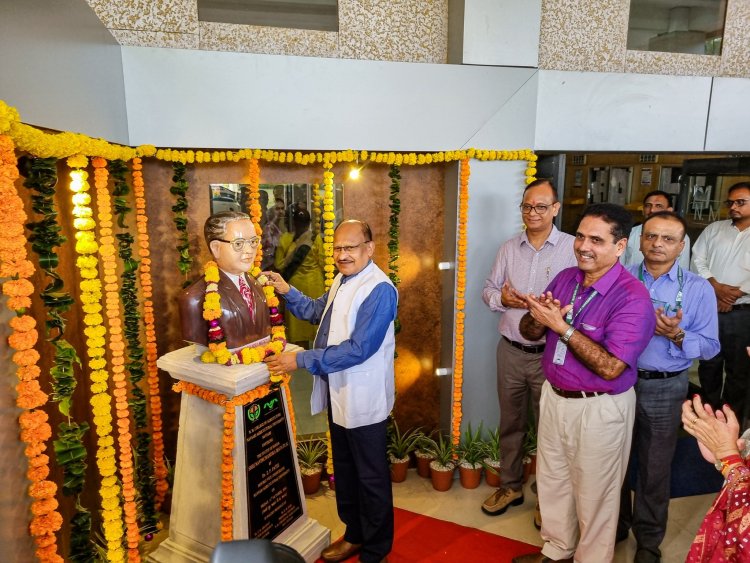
(101, 401)
(328, 216)
(253, 204)
(227, 445)
(35, 430)
(116, 347)
(144, 273)
(458, 370)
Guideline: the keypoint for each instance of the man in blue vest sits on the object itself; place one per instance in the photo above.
(352, 360)
(686, 329)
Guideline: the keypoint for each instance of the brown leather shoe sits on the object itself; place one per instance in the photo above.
(539, 558)
(537, 516)
(339, 551)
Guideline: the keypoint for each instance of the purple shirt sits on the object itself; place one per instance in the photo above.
(529, 271)
(620, 318)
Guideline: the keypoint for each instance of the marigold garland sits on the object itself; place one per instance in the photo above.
(35, 430)
(101, 401)
(144, 272)
(217, 346)
(227, 460)
(116, 348)
(458, 369)
(328, 216)
(134, 367)
(317, 201)
(253, 204)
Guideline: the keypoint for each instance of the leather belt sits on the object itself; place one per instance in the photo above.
(741, 307)
(538, 349)
(576, 394)
(647, 374)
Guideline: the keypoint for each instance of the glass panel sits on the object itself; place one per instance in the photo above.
(677, 26)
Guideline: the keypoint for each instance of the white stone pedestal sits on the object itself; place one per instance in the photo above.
(195, 521)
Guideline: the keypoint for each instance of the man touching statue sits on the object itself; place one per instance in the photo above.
(245, 319)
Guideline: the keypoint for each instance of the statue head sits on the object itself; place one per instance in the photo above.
(231, 238)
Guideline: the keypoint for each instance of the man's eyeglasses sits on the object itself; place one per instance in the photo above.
(738, 202)
(238, 244)
(540, 209)
(348, 249)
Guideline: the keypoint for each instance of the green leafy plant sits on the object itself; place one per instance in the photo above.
(471, 449)
(529, 442)
(443, 452)
(400, 445)
(310, 454)
(491, 461)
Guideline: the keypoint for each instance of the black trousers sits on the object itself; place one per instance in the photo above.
(734, 337)
(364, 498)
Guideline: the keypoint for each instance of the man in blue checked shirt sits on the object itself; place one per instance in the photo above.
(686, 329)
(352, 360)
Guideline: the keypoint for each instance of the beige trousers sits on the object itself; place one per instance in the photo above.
(582, 458)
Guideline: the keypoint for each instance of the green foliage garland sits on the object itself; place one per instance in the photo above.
(70, 453)
(179, 190)
(393, 231)
(134, 351)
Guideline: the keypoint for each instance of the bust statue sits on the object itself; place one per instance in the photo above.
(231, 238)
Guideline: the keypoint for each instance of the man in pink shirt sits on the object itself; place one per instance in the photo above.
(597, 319)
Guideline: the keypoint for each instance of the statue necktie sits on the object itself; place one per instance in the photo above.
(247, 295)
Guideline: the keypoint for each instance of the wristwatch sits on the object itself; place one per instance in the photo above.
(679, 337)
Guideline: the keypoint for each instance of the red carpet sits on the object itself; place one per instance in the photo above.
(422, 538)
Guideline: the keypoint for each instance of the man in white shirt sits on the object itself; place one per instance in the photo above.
(654, 202)
(722, 256)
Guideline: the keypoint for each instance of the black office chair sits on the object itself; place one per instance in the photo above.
(254, 551)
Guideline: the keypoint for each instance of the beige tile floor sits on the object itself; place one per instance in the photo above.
(462, 506)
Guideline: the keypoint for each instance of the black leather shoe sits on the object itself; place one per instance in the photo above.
(339, 551)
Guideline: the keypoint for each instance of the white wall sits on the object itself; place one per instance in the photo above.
(729, 119)
(622, 112)
(502, 32)
(61, 68)
(495, 190)
(216, 99)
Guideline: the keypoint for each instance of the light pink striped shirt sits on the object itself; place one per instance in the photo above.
(528, 270)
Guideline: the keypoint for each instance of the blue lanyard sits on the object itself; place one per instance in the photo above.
(569, 316)
(680, 282)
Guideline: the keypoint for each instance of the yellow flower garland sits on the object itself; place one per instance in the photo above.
(328, 217)
(101, 401)
(116, 347)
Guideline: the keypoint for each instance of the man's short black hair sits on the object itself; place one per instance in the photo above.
(541, 182)
(667, 215)
(739, 186)
(662, 193)
(616, 215)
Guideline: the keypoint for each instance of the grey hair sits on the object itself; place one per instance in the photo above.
(216, 225)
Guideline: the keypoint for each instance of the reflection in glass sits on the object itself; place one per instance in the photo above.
(677, 26)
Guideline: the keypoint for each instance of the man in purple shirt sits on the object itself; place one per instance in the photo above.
(597, 319)
(687, 328)
(524, 264)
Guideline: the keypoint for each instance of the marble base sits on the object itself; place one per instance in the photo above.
(195, 522)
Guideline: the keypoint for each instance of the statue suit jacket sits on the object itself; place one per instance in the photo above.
(239, 330)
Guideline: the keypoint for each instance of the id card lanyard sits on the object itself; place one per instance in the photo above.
(680, 283)
(561, 349)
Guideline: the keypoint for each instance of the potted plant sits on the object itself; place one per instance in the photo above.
(310, 454)
(424, 456)
(442, 467)
(529, 449)
(471, 451)
(491, 461)
(399, 447)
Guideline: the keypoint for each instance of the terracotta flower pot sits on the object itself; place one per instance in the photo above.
(399, 469)
(470, 476)
(311, 482)
(442, 479)
(423, 466)
(492, 473)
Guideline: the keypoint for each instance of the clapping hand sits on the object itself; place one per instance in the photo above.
(666, 325)
(717, 431)
(511, 297)
(548, 311)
